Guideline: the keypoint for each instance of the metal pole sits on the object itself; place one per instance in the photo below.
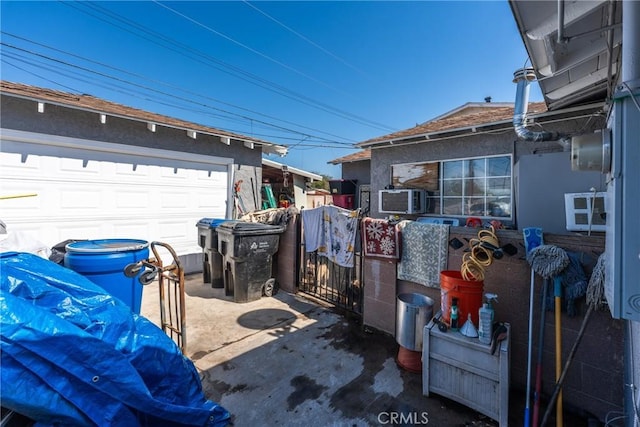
(629, 128)
(560, 38)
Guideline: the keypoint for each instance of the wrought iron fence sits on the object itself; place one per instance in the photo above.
(323, 279)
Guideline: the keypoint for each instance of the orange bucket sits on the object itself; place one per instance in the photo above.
(468, 292)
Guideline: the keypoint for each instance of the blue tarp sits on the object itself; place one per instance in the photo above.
(74, 355)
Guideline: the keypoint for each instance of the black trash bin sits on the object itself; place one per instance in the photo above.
(247, 250)
(211, 259)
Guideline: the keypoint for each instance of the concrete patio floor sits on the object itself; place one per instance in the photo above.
(286, 360)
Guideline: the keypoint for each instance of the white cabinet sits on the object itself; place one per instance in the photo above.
(464, 370)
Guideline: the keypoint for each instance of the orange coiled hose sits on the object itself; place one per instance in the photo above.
(480, 256)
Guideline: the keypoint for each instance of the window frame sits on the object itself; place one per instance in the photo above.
(465, 184)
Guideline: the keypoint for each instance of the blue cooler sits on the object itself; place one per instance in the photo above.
(103, 262)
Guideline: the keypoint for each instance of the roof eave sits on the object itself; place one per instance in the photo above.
(312, 176)
(268, 148)
(475, 129)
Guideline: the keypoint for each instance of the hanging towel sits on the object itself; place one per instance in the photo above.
(312, 227)
(424, 252)
(331, 231)
(380, 238)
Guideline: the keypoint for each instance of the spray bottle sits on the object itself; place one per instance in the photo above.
(485, 315)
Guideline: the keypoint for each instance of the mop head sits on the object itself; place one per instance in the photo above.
(547, 260)
(595, 289)
(574, 283)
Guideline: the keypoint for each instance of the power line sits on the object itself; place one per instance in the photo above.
(42, 65)
(244, 46)
(227, 68)
(311, 42)
(174, 87)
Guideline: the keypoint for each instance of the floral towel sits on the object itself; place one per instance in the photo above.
(331, 231)
(424, 252)
(380, 238)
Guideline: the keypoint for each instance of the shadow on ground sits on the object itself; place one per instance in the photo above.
(287, 361)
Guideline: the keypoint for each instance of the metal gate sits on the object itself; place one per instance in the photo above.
(323, 279)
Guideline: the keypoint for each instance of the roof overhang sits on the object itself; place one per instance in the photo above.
(157, 120)
(547, 117)
(312, 176)
(574, 47)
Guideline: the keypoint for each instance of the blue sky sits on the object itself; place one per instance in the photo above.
(317, 76)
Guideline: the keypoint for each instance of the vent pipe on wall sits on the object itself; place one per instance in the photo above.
(522, 78)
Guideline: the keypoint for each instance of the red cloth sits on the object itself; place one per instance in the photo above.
(380, 238)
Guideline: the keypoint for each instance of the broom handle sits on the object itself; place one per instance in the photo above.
(527, 409)
(538, 390)
(557, 388)
(558, 355)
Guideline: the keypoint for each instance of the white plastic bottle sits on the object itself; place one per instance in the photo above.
(485, 319)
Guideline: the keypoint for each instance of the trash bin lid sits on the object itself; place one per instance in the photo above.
(249, 228)
(210, 222)
(107, 245)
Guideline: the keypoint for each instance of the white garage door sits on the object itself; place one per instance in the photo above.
(89, 190)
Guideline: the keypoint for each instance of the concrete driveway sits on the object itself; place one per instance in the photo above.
(287, 361)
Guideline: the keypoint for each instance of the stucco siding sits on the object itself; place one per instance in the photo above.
(487, 144)
(22, 114)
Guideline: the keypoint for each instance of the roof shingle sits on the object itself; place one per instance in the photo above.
(489, 114)
(354, 157)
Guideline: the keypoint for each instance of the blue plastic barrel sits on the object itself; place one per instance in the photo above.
(103, 262)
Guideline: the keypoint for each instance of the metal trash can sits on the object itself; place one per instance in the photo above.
(211, 259)
(413, 312)
(247, 250)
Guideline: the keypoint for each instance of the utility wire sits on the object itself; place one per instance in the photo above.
(173, 96)
(319, 143)
(311, 42)
(244, 46)
(174, 87)
(237, 72)
(41, 65)
(306, 146)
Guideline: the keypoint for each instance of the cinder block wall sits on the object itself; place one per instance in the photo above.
(594, 383)
(380, 294)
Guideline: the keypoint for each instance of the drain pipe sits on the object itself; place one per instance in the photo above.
(560, 37)
(522, 78)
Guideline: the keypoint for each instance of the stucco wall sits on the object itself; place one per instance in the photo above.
(360, 171)
(486, 145)
(22, 114)
(542, 180)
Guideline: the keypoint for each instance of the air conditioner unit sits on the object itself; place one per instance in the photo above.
(403, 201)
(585, 211)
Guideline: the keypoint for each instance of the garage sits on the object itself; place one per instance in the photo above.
(58, 188)
(74, 166)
